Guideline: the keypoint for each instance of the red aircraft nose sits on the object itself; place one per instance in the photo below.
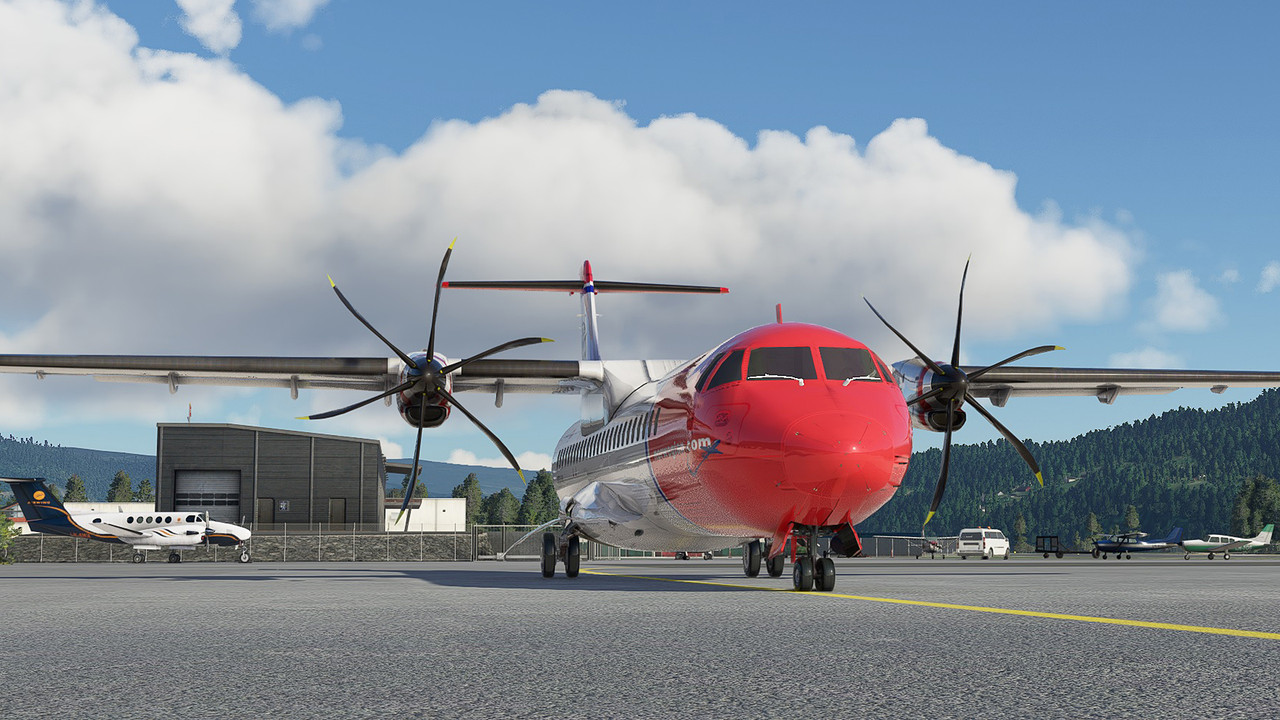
(830, 455)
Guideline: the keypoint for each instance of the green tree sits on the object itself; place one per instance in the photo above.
(470, 489)
(145, 492)
(75, 491)
(1020, 534)
(501, 508)
(121, 490)
(1092, 526)
(8, 531)
(1131, 518)
(539, 503)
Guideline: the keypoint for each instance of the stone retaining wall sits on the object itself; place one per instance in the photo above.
(264, 548)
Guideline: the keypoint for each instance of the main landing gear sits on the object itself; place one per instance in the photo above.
(139, 557)
(808, 570)
(567, 550)
(174, 557)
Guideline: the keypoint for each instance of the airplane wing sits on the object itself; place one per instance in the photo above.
(372, 374)
(1002, 383)
(1229, 546)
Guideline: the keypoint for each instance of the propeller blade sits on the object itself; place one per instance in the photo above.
(955, 349)
(946, 465)
(931, 364)
(493, 438)
(403, 358)
(333, 413)
(413, 483)
(1017, 444)
(435, 306)
(1019, 356)
(927, 396)
(494, 350)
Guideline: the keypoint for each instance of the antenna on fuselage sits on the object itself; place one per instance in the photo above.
(779, 313)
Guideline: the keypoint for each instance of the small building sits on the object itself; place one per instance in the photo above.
(428, 515)
(264, 478)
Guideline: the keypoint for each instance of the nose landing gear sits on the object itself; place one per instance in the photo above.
(558, 548)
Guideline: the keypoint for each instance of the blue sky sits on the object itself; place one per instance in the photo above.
(1110, 168)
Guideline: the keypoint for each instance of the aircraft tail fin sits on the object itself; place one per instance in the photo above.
(1175, 537)
(41, 508)
(1264, 537)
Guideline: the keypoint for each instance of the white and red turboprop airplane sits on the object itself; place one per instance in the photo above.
(786, 431)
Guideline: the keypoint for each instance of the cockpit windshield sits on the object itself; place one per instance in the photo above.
(781, 363)
(848, 364)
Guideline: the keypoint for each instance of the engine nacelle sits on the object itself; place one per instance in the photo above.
(421, 409)
(916, 379)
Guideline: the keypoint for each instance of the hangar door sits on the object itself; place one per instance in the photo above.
(216, 492)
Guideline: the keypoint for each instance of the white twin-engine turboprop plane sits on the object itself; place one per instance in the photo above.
(151, 531)
(771, 439)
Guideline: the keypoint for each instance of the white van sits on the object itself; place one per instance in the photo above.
(984, 542)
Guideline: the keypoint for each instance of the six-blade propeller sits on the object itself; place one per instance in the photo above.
(427, 382)
(950, 387)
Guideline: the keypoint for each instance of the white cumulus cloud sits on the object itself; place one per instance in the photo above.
(213, 22)
(168, 203)
(1145, 358)
(1270, 277)
(528, 460)
(1182, 305)
(285, 15)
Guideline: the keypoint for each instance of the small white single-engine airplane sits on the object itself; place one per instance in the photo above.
(1226, 543)
(152, 531)
(786, 431)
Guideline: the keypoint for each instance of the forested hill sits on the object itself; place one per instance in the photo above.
(28, 457)
(1183, 467)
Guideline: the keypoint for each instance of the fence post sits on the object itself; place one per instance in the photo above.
(285, 558)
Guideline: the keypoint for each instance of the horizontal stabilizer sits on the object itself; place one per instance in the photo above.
(573, 286)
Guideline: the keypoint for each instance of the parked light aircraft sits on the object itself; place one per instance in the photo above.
(1124, 544)
(784, 432)
(1226, 543)
(152, 531)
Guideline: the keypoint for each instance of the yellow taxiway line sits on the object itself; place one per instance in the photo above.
(970, 608)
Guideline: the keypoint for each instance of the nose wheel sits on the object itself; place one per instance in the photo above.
(809, 571)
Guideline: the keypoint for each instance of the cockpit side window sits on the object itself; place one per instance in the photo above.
(729, 371)
(706, 372)
(846, 364)
(785, 363)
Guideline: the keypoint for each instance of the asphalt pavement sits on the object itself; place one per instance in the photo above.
(1143, 638)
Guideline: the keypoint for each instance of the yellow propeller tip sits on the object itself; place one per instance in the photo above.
(928, 518)
(1058, 347)
(547, 340)
(331, 282)
(455, 239)
(303, 417)
(521, 474)
(1040, 478)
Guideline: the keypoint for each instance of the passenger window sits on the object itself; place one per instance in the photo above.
(781, 363)
(148, 520)
(848, 364)
(168, 520)
(130, 520)
(729, 371)
(97, 520)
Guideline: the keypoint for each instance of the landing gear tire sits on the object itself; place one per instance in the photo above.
(1095, 553)
(572, 557)
(1210, 556)
(682, 556)
(1186, 556)
(1104, 556)
(139, 557)
(1059, 554)
(802, 574)
(775, 566)
(1226, 556)
(1046, 556)
(548, 555)
(751, 559)
(707, 556)
(1006, 554)
(175, 557)
(1127, 556)
(824, 574)
(244, 556)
